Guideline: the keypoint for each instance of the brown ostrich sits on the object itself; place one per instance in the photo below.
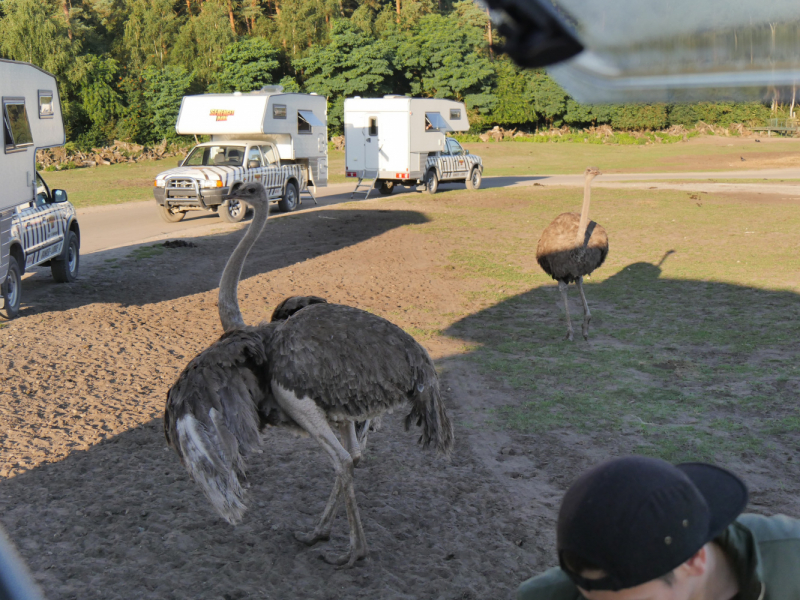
(571, 247)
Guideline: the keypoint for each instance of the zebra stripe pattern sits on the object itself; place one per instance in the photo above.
(41, 230)
(449, 166)
(273, 178)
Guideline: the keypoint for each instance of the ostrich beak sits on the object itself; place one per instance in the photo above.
(235, 190)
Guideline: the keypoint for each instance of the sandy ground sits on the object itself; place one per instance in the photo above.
(100, 508)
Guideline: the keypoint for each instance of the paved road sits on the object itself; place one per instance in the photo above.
(124, 225)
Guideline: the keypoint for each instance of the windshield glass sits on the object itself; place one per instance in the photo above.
(220, 156)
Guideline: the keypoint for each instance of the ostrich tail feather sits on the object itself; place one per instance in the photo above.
(211, 456)
(429, 412)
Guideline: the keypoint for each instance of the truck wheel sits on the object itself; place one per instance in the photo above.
(65, 269)
(11, 290)
(233, 210)
(386, 188)
(169, 215)
(474, 180)
(289, 201)
(431, 181)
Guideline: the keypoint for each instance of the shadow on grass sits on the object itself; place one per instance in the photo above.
(151, 273)
(680, 369)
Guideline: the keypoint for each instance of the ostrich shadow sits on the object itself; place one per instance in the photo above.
(150, 273)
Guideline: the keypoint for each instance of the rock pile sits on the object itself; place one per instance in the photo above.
(118, 152)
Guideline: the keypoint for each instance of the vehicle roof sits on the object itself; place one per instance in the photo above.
(234, 143)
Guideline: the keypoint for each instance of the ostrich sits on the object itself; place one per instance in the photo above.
(571, 247)
(325, 366)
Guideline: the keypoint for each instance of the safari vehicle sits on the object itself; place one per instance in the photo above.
(278, 139)
(38, 226)
(397, 140)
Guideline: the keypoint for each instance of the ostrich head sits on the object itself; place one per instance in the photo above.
(591, 173)
(251, 193)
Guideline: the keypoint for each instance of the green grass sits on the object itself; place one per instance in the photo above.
(112, 184)
(145, 252)
(695, 357)
(129, 182)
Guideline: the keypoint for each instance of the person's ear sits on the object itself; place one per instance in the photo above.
(697, 563)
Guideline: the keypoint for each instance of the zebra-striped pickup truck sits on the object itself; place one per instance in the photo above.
(453, 164)
(203, 178)
(43, 232)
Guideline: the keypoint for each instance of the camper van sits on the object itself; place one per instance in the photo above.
(280, 140)
(38, 226)
(397, 140)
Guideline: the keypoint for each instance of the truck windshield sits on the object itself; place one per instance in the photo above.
(220, 156)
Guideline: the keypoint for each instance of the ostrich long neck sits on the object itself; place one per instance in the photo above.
(228, 302)
(584, 223)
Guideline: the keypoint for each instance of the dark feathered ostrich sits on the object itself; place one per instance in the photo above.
(323, 367)
(571, 247)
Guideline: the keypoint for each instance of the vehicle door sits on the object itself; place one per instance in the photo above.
(41, 226)
(371, 144)
(272, 174)
(458, 160)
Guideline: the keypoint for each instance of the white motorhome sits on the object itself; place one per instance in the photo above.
(37, 226)
(397, 140)
(280, 140)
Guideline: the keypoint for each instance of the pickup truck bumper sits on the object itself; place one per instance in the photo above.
(209, 197)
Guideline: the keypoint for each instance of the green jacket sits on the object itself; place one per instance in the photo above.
(765, 552)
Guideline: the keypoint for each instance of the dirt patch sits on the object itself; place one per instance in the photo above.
(100, 508)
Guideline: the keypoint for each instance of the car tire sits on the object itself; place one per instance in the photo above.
(474, 180)
(11, 290)
(233, 210)
(168, 215)
(65, 269)
(290, 198)
(386, 187)
(431, 181)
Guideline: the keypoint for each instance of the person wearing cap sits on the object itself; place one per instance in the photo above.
(639, 528)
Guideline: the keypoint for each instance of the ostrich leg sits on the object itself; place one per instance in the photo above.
(306, 413)
(562, 287)
(587, 316)
(322, 532)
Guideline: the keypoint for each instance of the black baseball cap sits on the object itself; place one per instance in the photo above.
(638, 518)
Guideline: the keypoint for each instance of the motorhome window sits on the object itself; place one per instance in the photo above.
(455, 114)
(45, 104)
(278, 111)
(373, 126)
(303, 126)
(434, 122)
(220, 156)
(16, 128)
(270, 156)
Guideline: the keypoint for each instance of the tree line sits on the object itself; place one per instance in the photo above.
(124, 65)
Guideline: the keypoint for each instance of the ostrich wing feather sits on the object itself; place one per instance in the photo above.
(214, 413)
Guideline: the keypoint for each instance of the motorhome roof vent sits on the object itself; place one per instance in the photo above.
(271, 89)
(237, 93)
(394, 96)
(313, 94)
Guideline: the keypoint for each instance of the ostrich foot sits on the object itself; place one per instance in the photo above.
(309, 539)
(569, 334)
(346, 560)
(585, 329)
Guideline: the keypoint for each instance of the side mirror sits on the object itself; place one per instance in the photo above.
(253, 164)
(466, 151)
(180, 163)
(59, 196)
